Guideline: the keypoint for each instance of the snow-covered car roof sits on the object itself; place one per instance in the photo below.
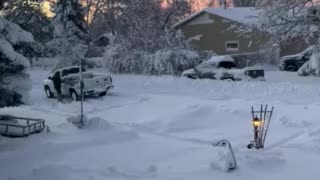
(69, 67)
(214, 61)
(311, 49)
(218, 59)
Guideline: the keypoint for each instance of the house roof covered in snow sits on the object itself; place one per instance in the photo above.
(242, 15)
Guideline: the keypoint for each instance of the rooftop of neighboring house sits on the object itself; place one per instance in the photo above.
(242, 15)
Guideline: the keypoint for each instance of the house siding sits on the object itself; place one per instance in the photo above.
(214, 35)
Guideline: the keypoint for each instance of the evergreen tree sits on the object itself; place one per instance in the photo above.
(29, 16)
(70, 32)
(14, 80)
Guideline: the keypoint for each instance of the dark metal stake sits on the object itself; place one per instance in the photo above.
(265, 135)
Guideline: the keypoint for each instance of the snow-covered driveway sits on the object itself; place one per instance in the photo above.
(161, 128)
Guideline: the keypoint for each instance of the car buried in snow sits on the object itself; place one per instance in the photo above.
(70, 83)
(296, 61)
(224, 68)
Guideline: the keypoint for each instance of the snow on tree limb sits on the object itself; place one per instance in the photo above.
(292, 18)
(14, 81)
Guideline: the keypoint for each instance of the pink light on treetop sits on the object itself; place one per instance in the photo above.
(200, 4)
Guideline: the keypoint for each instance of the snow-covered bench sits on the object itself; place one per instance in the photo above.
(12, 126)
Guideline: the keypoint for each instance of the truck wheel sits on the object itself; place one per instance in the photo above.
(103, 94)
(74, 95)
(228, 79)
(292, 68)
(191, 77)
(48, 92)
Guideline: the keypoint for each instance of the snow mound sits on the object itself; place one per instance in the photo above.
(266, 159)
(91, 123)
(312, 67)
(52, 172)
(222, 160)
(99, 123)
(193, 117)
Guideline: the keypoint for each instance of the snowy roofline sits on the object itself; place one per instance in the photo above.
(242, 15)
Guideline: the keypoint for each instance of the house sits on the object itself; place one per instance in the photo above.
(231, 31)
(224, 30)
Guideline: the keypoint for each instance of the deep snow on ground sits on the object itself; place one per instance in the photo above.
(162, 128)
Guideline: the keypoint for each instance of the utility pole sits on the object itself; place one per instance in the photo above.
(81, 96)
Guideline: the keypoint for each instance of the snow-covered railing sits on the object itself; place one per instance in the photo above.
(13, 126)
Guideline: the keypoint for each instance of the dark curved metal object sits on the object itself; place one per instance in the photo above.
(224, 143)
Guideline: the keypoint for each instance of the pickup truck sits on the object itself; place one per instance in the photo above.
(70, 86)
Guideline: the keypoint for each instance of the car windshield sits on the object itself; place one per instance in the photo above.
(206, 65)
(74, 70)
(227, 64)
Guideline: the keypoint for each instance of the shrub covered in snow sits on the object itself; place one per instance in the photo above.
(14, 81)
(268, 56)
(173, 61)
(312, 67)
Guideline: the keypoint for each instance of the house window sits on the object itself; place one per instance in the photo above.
(232, 46)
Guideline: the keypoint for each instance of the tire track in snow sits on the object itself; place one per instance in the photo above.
(285, 140)
(94, 110)
(291, 138)
(141, 100)
(148, 130)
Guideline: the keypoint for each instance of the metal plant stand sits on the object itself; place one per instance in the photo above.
(260, 121)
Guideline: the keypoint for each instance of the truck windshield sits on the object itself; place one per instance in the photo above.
(206, 65)
(75, 70)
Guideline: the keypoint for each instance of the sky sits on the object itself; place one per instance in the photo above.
(198, 5)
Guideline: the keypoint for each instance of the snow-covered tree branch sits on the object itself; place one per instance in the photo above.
(14, 80)
(292, 18)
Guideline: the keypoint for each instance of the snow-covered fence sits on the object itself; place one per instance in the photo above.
(268, 56)
(161, 62)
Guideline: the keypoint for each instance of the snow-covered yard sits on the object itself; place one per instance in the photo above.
(162, 128)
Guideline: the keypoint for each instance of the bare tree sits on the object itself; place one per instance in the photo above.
(245, 3)
(292, 18)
